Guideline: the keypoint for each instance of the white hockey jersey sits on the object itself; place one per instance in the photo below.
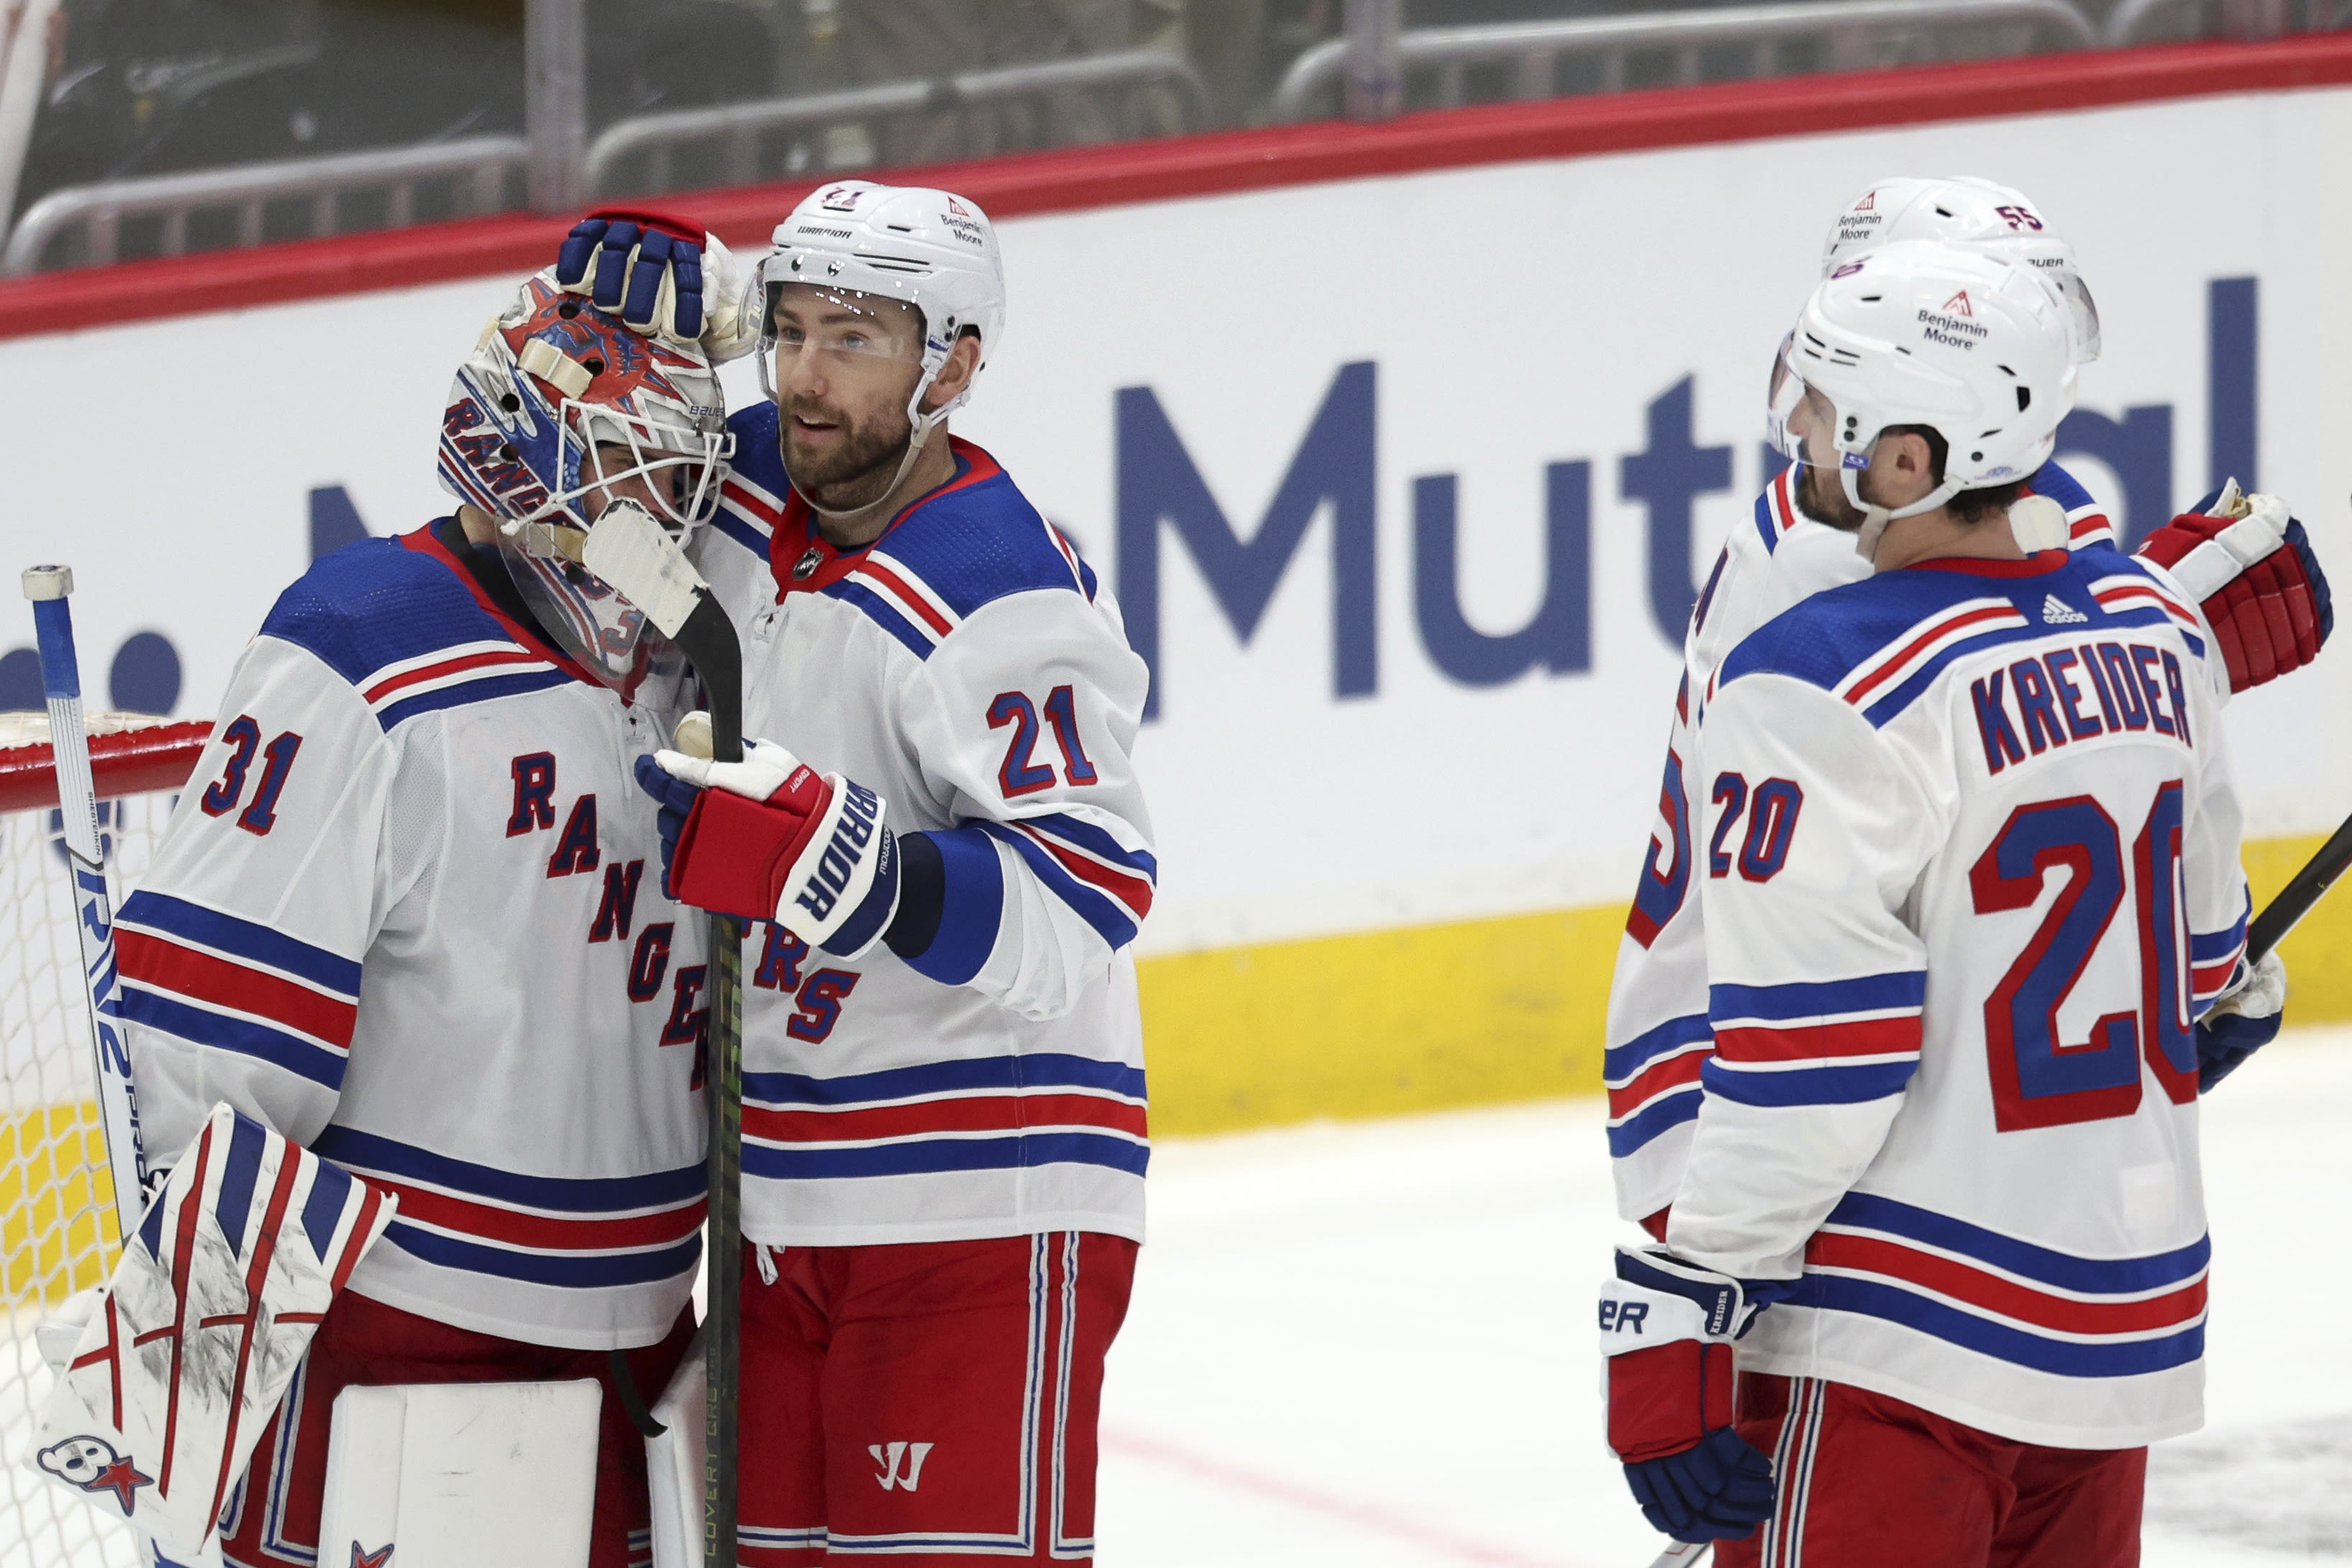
(1970, 873)
(982, 1076)
(1656, 1037)
(404, 915)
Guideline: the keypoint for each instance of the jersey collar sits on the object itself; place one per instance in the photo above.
(469, 569)
(802, 561)
(2040, 563)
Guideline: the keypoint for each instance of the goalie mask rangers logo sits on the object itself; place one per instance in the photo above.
(91, 1464)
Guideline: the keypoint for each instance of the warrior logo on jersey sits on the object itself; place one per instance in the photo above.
(91, 1464)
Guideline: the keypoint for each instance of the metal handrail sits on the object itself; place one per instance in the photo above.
(743, 125)
(2128, 23)
(1535, 45)
(483, 160)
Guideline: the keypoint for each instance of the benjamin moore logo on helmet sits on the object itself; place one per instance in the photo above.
(1955, 325)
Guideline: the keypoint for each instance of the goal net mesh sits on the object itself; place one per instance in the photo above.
(57, 1199)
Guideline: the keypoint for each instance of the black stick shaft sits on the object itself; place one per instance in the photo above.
(2303, 890)
(707, 640)
(722, 1330)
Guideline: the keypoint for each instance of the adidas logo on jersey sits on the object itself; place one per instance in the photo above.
(2057, 612)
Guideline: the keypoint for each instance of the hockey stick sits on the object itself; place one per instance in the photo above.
(630, 550)
(1684, 1554)
(118, 1102)
(2303, 890)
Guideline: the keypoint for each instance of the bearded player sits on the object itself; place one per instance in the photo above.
(1979, 882)
(2260, 592)
(946, 853)
(406, 918)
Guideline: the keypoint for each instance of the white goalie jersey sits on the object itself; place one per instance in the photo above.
(982, 1076)
(1968, 858)
(1657, 1038)
(410, 916)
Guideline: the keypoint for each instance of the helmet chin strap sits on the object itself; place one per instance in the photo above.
(1875, 518)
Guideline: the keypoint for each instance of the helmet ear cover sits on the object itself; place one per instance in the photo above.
(1971, 506)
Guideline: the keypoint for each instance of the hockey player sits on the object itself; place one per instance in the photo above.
(1971, 878)
(404, 918)
(948, 856)
(2263, 597)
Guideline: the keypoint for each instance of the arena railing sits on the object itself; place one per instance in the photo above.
(1857, 35)
(1131, 78)
(2151, 21)
(476, 171)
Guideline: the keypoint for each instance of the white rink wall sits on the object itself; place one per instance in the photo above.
(1492, 324)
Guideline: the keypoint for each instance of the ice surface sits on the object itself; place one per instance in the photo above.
(1368, 1345)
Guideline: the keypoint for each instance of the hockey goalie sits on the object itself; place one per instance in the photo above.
(405, 921)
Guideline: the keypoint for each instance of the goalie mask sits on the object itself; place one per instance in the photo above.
(1977, 349)
(559, 412)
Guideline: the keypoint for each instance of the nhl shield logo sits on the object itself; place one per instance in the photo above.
(91, 1464)
(805, 567)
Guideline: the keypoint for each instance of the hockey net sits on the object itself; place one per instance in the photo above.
(57, 1200)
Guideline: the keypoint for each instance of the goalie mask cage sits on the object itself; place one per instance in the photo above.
(57, 1199)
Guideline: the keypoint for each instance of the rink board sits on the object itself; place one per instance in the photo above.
(1404, 479)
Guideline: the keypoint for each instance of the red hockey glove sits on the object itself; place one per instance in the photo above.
(1666, 1331)
(769, 838)
(2257, 580)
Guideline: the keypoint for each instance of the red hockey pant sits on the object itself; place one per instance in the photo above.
(934, 1402)
(275, 1523)
(1867, 1480)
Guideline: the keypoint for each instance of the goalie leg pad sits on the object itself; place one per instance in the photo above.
(462, 1475)
(366, 1342)
(208, 1312)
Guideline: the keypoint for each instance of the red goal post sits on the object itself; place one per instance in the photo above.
(57, 1208)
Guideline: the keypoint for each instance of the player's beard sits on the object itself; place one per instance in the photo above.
(1821, 495)
(854, 473)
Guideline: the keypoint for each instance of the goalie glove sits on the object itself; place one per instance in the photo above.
(769, 838)
(663, 276)
(1667, 1328)
(2250, 569)
(2243, 1022)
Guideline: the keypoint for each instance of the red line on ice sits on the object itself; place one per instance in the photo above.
(1362, 1515)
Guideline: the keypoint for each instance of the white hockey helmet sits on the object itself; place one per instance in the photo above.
(928, 248)
(1965, 210)
(1957, 339)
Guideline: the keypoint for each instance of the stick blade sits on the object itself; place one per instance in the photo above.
(633, 552)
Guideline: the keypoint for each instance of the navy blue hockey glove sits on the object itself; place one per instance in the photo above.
(676, 798)
(663, 276)
(2243, 1022)
(1719, 1489)
(1667, 1328)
